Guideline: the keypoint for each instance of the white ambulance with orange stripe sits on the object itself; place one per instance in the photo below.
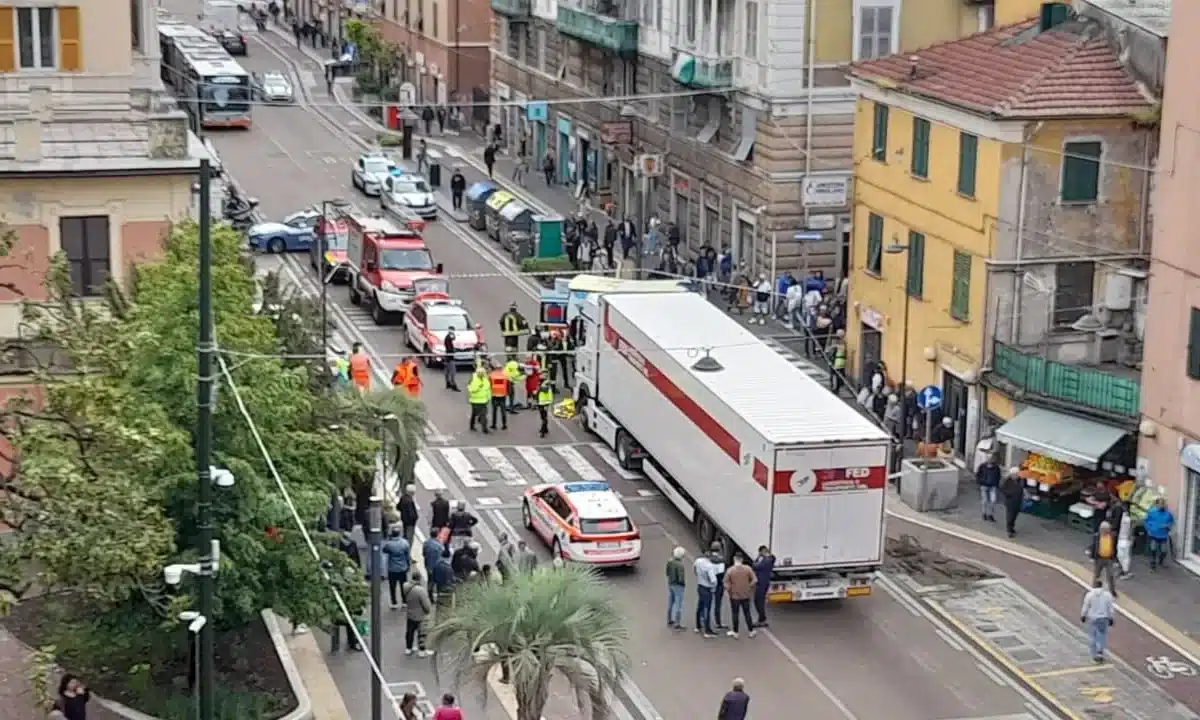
(750, 448)
(583, 522)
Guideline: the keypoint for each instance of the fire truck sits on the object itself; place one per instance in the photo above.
(387, 262)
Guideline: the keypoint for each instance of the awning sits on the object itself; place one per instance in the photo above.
(1067, 438)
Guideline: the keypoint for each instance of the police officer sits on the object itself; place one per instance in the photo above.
(545, 398)
(449, 367)
(512, 327)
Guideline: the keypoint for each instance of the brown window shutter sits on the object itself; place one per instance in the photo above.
(8, 48)
(70, 46)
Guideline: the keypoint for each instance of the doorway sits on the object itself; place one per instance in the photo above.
(564, 158)
(539, 142)
(955, 398)
(743, 240)
(870, 349)
(587, 169)
(844, 264)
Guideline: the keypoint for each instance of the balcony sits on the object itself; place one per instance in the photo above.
(702, 71)
(514, 10)
(596, 24)
(1105, 392)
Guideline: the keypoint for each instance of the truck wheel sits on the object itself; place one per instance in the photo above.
(581, 409)
(376, 311)
(625, 452)
(355, 297)
(526, 516)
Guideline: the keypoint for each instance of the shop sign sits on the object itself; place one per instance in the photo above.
(825, 191)
(616, 132)
(821, 222)
(871, 317)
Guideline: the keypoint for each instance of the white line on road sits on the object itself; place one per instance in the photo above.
(458, 462)
(496, 460)
(949, 640)
(610, 459)
(816, 681)
(427, 476)
(578, 463)
(503, 525)
(992, 675)
(545, 471)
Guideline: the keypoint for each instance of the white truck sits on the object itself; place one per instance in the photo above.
(746, 445)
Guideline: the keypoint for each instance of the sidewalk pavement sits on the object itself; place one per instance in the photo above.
(1146, 644)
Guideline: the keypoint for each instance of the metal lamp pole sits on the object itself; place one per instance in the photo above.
(324, 280)
(898, 249)
(374, 546)
(205, 348)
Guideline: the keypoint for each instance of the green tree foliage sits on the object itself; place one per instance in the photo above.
(554, 622)
(103, 487)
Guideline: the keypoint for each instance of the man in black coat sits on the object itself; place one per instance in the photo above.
(458, 185)
(409, 513)
(440, 510)
(1013, 490)
(736, 703)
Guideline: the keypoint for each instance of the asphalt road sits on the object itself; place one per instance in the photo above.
(866, 658)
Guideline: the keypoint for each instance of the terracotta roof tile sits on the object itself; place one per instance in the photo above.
(1016, 72)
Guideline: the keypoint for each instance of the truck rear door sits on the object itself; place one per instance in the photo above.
(828, 505)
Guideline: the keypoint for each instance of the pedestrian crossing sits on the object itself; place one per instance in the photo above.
(492, 467)
(808, 366)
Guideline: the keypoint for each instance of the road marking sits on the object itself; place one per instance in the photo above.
(948, 639)
(489, 501)
(495, 458)
(427, 476)
(461, 466)
(610, 459)
(503, 524)
(545, 471)
(1069, 671)
(648, 493)
(990, 673)
(578, 463)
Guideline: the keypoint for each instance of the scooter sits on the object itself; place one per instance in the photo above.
(238, 211)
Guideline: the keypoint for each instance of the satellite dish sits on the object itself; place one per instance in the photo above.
(708, 363)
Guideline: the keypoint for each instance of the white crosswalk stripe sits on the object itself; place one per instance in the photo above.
(475, 468)
(610, 459)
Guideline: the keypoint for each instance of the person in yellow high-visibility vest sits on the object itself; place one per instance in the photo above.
(515, 373)
(479, 394)
(545, 398)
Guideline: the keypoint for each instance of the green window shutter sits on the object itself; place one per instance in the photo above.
(1081, 171)
(960, 292)
(916, 264)
(875, 244)
(968, 157)
(1193, 346)
(879, 135)
(920, 148)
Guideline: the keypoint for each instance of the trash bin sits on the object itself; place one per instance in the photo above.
(434, 158)
(476, 198)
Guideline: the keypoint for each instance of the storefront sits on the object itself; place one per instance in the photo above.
(1066, 460)
(537, 114)
(1189, 518)
(870, 344)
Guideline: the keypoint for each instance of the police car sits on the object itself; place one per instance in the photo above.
(404, 192)
(583, 522)
(430, 317)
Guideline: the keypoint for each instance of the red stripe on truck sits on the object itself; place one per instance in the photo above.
(780, 484)
(699, 417)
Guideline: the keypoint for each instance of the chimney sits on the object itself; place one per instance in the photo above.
(1053, 15)
(914, 64)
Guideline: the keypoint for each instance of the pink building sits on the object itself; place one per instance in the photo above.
(1171, 371)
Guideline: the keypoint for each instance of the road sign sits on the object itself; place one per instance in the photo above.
(408, 95)
(930, 398)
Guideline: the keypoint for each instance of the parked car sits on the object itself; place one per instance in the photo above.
(370, 172)
(404, 192)
(294, 234)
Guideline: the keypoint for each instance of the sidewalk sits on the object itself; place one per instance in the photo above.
(1147, 646)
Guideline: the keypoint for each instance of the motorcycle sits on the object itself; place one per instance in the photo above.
(238, 211)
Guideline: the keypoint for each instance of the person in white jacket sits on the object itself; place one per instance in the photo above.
(1125, 545)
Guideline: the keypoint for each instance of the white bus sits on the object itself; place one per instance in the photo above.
(214, 89)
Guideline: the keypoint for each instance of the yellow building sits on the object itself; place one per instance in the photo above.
(985, 167)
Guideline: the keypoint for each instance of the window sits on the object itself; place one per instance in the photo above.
(135, 24)
(523, 44)
(541, 49)
(879, 135)
(1073, 288)
(502, 36)
(1081, 172)
(712, 226)
(875, 244)
(874, 32)
(435, 21)
(916, 264)
(1193, 349)
(688, 20)
(751, 40)
(968, 154)
(986, 17)
(960, 290)
(35, 38)
(85, 240)
(920, 148)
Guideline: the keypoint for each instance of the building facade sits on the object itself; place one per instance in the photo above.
(744, 102)
(95, 160)
(446, 44)
(1005, 214)
(1171, 377)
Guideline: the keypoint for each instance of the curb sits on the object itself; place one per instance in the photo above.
(303, 709)
(1138, 614)
(504, 693)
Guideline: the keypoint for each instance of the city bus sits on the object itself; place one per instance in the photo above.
(211, 86)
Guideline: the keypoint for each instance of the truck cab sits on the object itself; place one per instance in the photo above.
(384, 260)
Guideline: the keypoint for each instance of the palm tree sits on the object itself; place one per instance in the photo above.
(553, 622)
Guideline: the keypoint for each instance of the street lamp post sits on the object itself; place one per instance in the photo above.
(375, 547)
(326, 278)
(205, 348)
(899, 249)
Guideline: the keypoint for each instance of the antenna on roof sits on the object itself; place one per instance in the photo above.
(708, 363)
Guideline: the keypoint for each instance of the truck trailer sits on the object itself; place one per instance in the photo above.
(751, 449)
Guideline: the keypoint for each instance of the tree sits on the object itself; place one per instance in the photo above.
(554, 622)
(102, 490)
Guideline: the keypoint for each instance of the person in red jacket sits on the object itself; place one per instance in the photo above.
(533, 381)
(449, 710)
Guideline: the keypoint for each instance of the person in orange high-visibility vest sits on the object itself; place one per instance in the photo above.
(360, 369)
(412, 382)
(400, 375)
(499, 380)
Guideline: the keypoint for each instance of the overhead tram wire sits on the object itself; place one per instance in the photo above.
(351, 622)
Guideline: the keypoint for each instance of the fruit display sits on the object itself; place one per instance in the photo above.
(1046, 470)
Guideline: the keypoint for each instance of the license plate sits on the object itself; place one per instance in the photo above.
(609, 545)
(817, 583)
(776, 597)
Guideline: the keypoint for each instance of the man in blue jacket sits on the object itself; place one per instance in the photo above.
(1157, 524)
(988, 476)
(397, 552)
(763, 566)
(736, 703)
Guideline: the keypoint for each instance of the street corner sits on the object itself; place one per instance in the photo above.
(1048, 654)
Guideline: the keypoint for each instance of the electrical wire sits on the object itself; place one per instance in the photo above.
(351, 622)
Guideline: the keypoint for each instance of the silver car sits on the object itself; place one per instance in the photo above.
(370, 172)
(277, 88)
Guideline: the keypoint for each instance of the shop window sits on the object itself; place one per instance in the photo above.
(1073, 289)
